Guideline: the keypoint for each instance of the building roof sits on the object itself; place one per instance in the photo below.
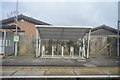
(25, 18)
(61, 32)
(104, 27)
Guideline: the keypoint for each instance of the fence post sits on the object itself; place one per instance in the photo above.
(62, 51)
(52, 51)
(37, 43)
(4, 45)
(88, 48)
(39, 50)
(84, 47)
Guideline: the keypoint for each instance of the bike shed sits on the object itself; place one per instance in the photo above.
(62, 41)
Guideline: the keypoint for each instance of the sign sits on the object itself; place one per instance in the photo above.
(16, 38)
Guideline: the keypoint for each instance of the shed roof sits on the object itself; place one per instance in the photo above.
(61, 32)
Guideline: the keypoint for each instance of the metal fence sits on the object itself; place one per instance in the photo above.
(6, 44)
(26, 45)
(99, 46)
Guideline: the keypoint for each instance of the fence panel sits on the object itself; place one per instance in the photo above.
(26, 45)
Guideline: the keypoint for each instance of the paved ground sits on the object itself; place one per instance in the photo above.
(59, 71)
(39, 67)
(66, 62)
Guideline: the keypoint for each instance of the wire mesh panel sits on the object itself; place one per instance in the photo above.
(54, 47)
(57, 49)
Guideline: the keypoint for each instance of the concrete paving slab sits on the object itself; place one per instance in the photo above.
(35, 73)
(88, 72)
(111, 72)
(59, 73)
(7, 73)
(89, 65)
(41, 69)
(61, 69)
(20, 73)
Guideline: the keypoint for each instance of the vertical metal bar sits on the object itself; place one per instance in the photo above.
(16, 43)
(43, 51)
(118, 26)
(16, 17)
(72, 52)
(79, 50)
(36, 42)
(39, 50)
(82, 52)
(62, 51)
(4, 43)
(84, 47)
(52, 51)
(118, 37)
(88, 48)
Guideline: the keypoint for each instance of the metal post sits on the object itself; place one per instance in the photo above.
(52, 51)
(79, 50)
(82, 52)
(118, 37)
(88, 48)
(39, 50)
(37, 43)
(16, 43)
(4, 45)
(70, 51)
(62, 51)
(73, 52)
(84, 47)
(43, 50)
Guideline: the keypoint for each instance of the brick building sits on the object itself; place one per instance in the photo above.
(26, 24)
(27, 28)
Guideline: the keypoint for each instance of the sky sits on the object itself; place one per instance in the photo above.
(67, 13)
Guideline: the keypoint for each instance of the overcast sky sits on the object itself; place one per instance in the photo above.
(68, 13)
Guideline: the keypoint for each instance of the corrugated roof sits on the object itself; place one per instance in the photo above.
(61, 32)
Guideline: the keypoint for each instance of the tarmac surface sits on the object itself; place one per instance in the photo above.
(63, 62)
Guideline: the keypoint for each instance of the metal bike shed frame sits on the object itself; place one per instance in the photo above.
(61, 33)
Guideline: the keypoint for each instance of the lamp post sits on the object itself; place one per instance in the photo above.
(118, 44)
(16, 18)
(118, 37)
